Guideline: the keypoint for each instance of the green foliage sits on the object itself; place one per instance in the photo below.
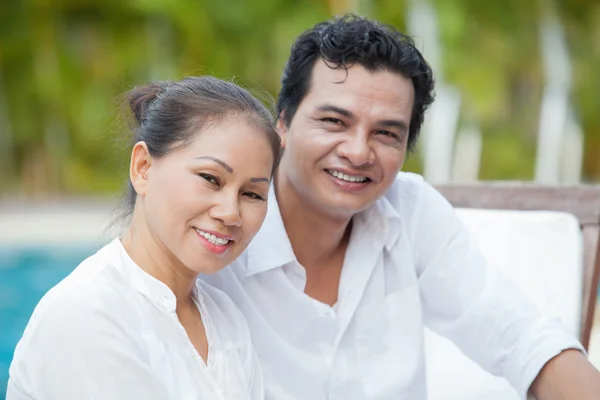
(64, 65)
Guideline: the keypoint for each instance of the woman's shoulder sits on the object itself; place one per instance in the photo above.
(81, 320)
(80, 314)
(90, 287)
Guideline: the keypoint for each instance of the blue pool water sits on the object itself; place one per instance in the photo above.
(26, 274)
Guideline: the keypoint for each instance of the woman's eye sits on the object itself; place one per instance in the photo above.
(254, 196)
(209, 178)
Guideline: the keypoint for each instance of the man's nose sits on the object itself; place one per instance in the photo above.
(357, 150)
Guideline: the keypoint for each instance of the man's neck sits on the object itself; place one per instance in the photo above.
(316, 238)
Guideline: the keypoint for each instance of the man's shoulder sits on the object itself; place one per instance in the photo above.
(404, 192)
(412, 197)
(406, 184)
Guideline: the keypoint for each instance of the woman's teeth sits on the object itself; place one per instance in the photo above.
(212, 238)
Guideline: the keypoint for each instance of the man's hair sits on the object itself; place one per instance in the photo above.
(348, 40)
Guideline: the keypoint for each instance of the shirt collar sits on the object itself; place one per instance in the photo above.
(382, 216)
(271, 247)
(153, 289)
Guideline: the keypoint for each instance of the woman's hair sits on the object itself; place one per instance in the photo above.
(167, 115)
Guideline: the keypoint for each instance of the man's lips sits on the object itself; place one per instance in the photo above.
(348, 176)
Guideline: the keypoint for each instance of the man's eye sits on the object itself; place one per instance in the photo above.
(209, 178)
(388, 133)
(334, 121)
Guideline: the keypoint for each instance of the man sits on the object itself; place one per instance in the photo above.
(353, 259)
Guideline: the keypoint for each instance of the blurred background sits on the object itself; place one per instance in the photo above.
(518, 98)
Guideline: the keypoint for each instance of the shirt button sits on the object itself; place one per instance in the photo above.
(328, 312)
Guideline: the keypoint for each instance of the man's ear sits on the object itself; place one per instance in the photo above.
(141, 161)
(281, 128)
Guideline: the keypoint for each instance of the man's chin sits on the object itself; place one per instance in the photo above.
(345, 208)
(332, 202)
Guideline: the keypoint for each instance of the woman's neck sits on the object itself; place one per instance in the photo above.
(154, 258)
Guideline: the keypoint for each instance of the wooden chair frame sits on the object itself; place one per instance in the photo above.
(583, 201)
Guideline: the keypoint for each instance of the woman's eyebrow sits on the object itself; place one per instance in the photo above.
(229, 169)
(260, 180)
(220, 162)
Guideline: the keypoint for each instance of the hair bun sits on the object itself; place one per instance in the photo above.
(141, 97)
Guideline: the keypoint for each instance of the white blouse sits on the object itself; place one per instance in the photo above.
(109, 331)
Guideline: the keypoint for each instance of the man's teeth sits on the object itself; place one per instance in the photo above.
(348, 178)
(212, 238)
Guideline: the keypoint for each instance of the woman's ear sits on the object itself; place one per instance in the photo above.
(141, 161)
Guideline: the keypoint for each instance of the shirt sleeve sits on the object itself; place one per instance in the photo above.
(82, 350)
(473, 305)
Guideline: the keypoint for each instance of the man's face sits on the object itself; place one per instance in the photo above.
(347, 140)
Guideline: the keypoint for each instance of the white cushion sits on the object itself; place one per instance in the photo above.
(541, 252)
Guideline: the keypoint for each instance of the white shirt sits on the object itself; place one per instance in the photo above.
(109, 331)
(410, 263)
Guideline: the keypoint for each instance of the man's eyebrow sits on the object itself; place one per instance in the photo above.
(335, 109)
(220, 162)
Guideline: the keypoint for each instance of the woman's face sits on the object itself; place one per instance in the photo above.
(203, 203)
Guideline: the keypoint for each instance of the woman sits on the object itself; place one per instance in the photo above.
(132, 321)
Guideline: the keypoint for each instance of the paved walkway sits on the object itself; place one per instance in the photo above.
(78, 221)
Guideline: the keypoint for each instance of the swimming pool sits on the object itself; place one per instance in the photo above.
(26, 274)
